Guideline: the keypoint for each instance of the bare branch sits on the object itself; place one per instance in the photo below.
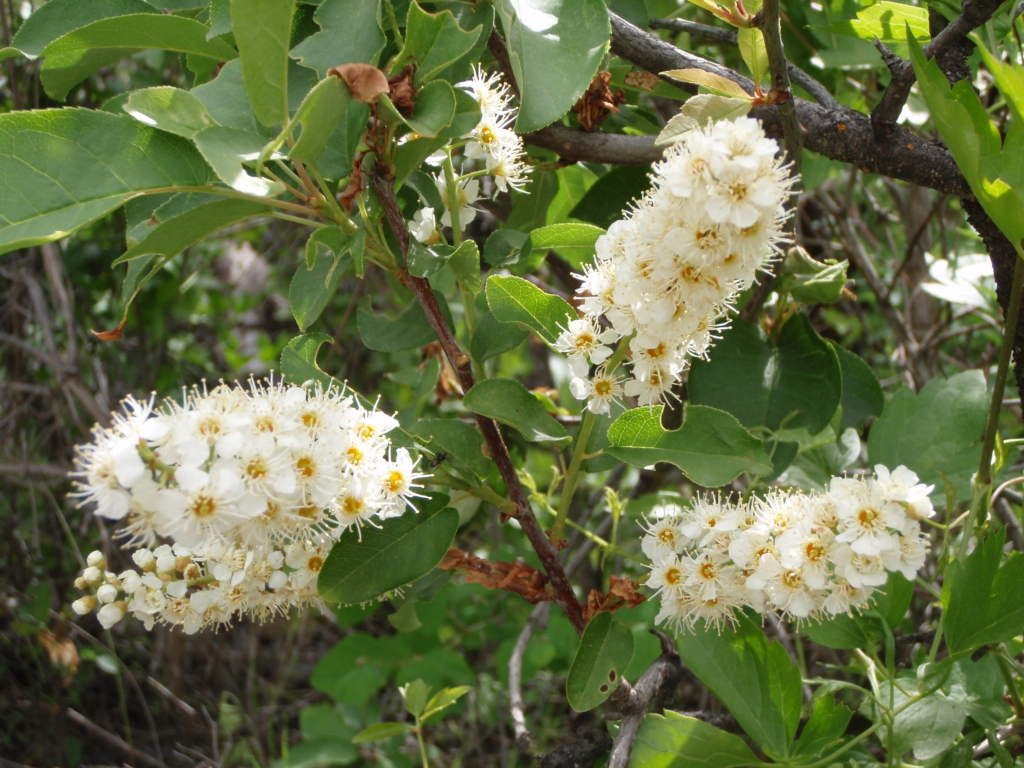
(887, 111)
(538, 619)
(769, 21)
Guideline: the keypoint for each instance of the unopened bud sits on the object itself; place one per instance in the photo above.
(96, 558)
(181, 563)
(106, 593)
(165, 564)
(92, 575)
(80, 583)
(145, 560)
(84, 605)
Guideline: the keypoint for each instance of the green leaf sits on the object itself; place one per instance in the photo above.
(434, 109)
(812, 282)
(753, 51)
(605, 651)
(415, 694)
(753, 678)
(973, 140)
(886, 21)
(335, 162)
(978, 687)
(169, 109)
(462, 442)
(935, 431)
(573, 183)
(57, 18)
(983, 599)
(409, 156)
(530, 208)
(298, 361)
(64, 168)
(320, 751)
(796, 382)
(493, 337)
(465, 263)
(225, 149)
(506, 247)
(824, 728)
(72, 58)
(555, 48)
(319, 115)
(467, 113)
(349, 33)
(515, 300)
(863, 630)
(410, 330)
(405, 618)
(262, 30)
(433, 42)
(173, 235)
(220, 18)
(673, 740)
(400, 551)
(862, 394)
(444, 699)
(573, 241)
(312, 288)
(225, 100)
(711, 447)
(511, 403)
(928, 726)
(427, 260)
(381, 731)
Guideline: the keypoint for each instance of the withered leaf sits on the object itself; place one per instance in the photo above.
(365, 81)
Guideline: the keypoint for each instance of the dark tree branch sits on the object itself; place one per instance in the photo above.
(769, 21)
(728, 36)
(383, 184)
(887, 111)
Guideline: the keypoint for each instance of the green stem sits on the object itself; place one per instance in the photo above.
(984, 477)
(1006, 669)
(607, 546)
(393, 22)
(336, 211)
(573, 475)
(419, 731)
(453, 198)
(299, 220)
(229, 192)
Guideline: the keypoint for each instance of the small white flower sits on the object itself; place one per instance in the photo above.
(423, 226)
(110, 614)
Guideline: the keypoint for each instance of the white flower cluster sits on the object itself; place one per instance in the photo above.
(251, 487)
(669, 273)
(805, 556)
(493, 141)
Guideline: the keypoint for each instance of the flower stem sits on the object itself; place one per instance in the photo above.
(984, 477)
(573, 475)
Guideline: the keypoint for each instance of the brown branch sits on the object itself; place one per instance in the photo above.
(538, 620)
(769, 21)
(381, 179)
(887, 111)
(111, 738)
(661, 677)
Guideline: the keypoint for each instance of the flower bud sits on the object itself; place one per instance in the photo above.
(92, 575)
(181, 563)
(144, 559)
(96, 558)
(110, 614)
(80, 583)
(106, 593)
(84, 605)
(165, 563)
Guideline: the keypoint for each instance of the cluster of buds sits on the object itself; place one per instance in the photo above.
(806, 556)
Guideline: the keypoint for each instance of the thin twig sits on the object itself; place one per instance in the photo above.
(538, 619)
(663, 675)
(110, 738)
(769, 21)
(887, 111)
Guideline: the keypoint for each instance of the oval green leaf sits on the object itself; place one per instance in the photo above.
(711, 447)
(410, 330)
(673, 740)
(349, 33)
(605, 651)
(262, 30)
(65, 168)
(169, 109)
(402, 550)
(462, 442)
(511, 403)
(515, 300)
